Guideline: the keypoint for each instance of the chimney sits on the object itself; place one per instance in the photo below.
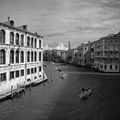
(69, 46)
(8, 18)
(9, 22)
(24, 27)
(35, 33)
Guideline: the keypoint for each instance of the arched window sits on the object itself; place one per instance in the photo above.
(28, 56)
(11, 56)
(31, 56)
(22, 56)
(110, 66)
(35, 42)
(2, 56)
(31, 42)
(35, 56)
(116, 67)
(2, 37)
(17, 39)
(12, 38)
(39, 56)
(105, 67)
(39, 43)
(28, 41)
(17, 56)
(22, 40)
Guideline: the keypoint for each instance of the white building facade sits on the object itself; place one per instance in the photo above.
(107, 55)
(21, 56)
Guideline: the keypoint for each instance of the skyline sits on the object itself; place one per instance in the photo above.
(60, 21)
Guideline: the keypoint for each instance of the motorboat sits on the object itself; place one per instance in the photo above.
(85, 93)
(58, 68)
(63, 75)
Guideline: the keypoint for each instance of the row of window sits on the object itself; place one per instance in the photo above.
(15, 39)
(18, 73)
(111, 67)
(33, 70)
(18, 56)
(33, 56)
(33, 43)
(111, 41)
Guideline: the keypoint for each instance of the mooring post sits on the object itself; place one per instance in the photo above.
(24, 87)
(12, 92)
(18, 89)
(30, 85)
(51, 76)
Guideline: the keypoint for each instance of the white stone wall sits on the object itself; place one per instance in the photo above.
(18, 66)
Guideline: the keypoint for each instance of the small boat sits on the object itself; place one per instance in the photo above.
(58, 68)
(63, 75)
(85, 93)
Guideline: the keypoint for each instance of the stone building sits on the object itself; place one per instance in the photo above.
(83, 55)
(106, 53)
(21, 56)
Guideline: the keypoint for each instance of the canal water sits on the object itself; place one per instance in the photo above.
(57, 99)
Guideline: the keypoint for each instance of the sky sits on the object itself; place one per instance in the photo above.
(60, 21)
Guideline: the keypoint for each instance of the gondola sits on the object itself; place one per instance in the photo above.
(85, 93)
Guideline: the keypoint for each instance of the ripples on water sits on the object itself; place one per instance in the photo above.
(59, 100)
(104, 104)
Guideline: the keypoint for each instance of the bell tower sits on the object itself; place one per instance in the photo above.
(69, 46)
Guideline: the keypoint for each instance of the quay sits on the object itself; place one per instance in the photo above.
(12, 91)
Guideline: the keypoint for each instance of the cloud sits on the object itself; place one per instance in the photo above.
(65, 20)
(55, 34)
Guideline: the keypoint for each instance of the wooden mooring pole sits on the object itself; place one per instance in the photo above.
(30, 85)
(51, 76)
(12, 92)
(18, 89)
(24, 87)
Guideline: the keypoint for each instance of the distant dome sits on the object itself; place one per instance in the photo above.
(61, 47)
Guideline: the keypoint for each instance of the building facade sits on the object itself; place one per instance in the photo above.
(106, 53)
(21, 56)
(84, 54)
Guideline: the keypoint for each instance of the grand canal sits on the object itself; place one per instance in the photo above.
(57, 99)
